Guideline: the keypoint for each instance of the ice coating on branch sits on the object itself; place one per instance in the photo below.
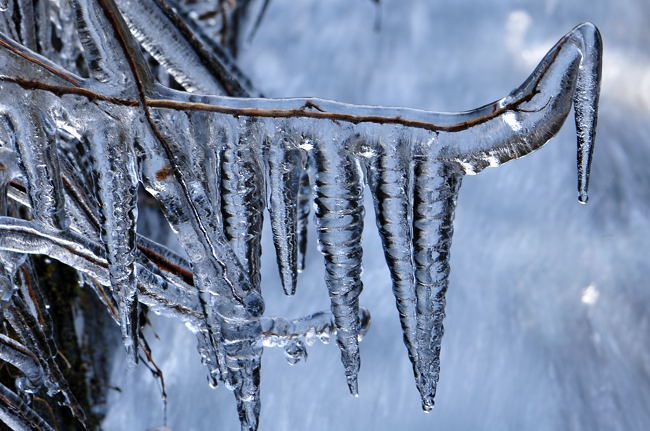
(84, 145)
(533, 113)
(17, 355)
(280, 332)
(18, 415)
(34, 339)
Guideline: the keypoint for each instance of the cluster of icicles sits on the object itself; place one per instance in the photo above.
(85, 123)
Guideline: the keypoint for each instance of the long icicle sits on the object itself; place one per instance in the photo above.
(339, 220)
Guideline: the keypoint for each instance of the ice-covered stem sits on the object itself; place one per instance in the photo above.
(192, 59)
(160, 290)
(16, 414)
(33, 337)
(17, 355)
(106, 60)
(518, 104)
(533, 113)
(278, 331)
(32, 135)
(164, 42)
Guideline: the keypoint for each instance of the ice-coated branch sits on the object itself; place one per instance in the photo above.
(295, 335)
(215, 163)
(15, 413)
(575, 61)
(188, 55)
(568, 75)
(17, 355)
(279, 332)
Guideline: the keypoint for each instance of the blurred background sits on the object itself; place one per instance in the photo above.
(548, 315)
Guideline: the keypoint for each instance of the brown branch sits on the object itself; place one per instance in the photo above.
(272, 113)
(143, 80)
(61, 74)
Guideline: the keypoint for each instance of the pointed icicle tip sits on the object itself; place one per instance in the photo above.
(583, 198)
(353, 385)
(427, 404)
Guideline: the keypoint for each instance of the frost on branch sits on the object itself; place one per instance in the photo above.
(82, 126)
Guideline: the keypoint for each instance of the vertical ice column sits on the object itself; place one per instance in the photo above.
(434, 200)
(339, 220)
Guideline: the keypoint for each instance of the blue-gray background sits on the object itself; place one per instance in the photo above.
(547, 322)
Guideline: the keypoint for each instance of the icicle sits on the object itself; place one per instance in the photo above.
(243, 356)
(16, 414)
(242, 197)
(242, 202)
(118, 184)
(285, 168)
(339, 219)
(390, 180)
(585, 101)
(434, 199)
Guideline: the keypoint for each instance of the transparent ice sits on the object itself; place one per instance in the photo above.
(85, 124)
